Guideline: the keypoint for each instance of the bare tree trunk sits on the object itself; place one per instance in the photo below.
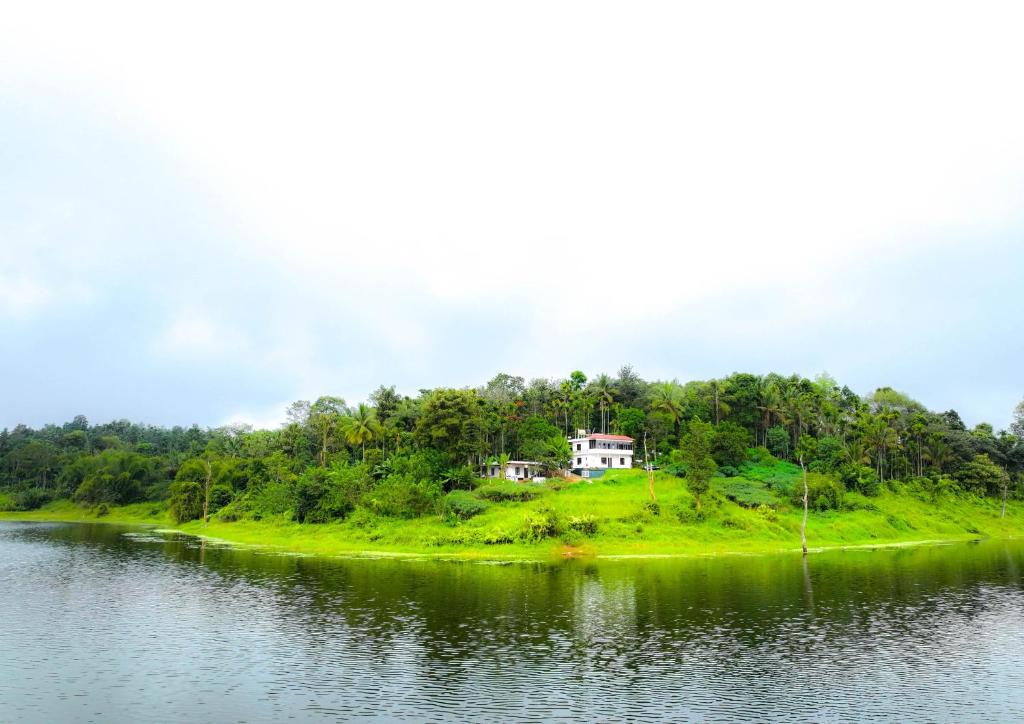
(650, 470)
(1005, 491)
(803, 526)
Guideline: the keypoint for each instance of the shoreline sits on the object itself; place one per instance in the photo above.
(547, 552)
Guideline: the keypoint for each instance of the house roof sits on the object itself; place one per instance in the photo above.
(601, 436)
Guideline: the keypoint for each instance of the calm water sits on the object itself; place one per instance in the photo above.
(116, 624)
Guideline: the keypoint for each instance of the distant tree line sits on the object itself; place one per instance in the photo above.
(398, 455)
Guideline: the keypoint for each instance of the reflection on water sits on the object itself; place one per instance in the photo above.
(117, 624)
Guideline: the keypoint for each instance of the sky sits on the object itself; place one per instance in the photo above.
(208, 210)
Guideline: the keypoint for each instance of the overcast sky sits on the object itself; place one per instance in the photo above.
(208, 210)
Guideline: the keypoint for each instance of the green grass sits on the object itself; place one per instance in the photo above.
(616, 505)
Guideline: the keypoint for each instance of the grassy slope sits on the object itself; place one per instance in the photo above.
(624, 527)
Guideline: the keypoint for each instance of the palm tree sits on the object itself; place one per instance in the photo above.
(604, 390)
(938, 453)
(718, 388)
(361, 426)
(771, 405)
(667, 397)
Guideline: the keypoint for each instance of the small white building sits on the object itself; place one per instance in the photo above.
(515, 470)
(598, 451)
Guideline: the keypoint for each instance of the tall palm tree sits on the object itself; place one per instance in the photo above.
(361, 426)
(667, 397)
(771, 405)
(604, 390)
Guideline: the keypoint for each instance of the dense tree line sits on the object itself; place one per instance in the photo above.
(398, 455)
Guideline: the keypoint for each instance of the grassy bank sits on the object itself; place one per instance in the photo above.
(611, 517)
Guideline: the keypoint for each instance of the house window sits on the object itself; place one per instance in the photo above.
(578, 447)
(517, 471)
(604, 461)
(593, 444)
(579, 461)
(622, 461)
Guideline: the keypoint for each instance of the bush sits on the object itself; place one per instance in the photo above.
(653, 508)
(399, 496)
(585, 524)
(746, 493)
(860, 478)
(102, 510)
(186, 501)
(30, 499)
(728, 471)
(462, 505)
(823, 493)
(687, 514)
(497, 537)
(540, 525)
(767, 512)
(502, 492)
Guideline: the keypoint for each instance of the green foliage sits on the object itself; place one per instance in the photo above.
(729, 444)
(695, 450)
(777, 442)
(507, 491)
(748, 493)
(585, 524)
(186, 502)
(452, 421)
(399, 496)
(540, 524)
(860, 478)
(824, 493)
(981, 476)
(462, 505)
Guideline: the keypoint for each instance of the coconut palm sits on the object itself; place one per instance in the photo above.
(603, 388)
(667, 397)
(361, 426)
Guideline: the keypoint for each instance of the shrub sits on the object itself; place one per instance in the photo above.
(823, 493)
(271, 499)
(501, 492)
(746, 493)
(539, 525)
(585, 524)
(462, 505)
(689, 515)
(399, 496)
(102, 510)
(653, 508)
(497, 537)
(30, 499)
(186, 501)
(860, 478)
(767, 512)
(728, 471)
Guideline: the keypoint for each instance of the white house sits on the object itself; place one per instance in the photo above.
(515, 470)
(598, 451)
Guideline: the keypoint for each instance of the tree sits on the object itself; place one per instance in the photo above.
(984, 477)
(803, 524)
(603, 389)
(361, 427)
(325, 416)
(667, 397)
(452, 421)
(1017, 426)
(696, 454)
(730, 444)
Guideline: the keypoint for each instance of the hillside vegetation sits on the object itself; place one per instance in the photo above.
(402, 473)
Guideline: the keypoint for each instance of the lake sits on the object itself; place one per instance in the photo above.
(107, 623)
